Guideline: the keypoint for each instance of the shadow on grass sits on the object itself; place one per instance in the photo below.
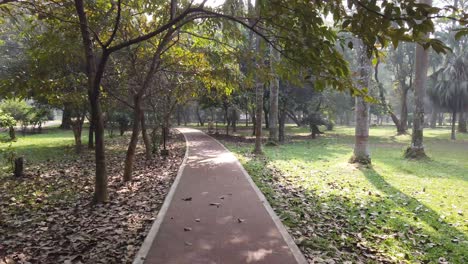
(331, 222)
(452, 239)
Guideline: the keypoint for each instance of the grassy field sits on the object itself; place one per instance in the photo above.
(395, 210)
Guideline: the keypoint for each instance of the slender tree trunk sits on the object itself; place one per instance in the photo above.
(266, 115)
(293, 117)
(144, 134)
(462, 122)
(66, 118)
(361, 146)
(91, 135)
(77, 127)
(416, 150)
(404, 111)
(454, 122)
(282, 122)
(178, 116)
(11, 132)
(434, 114)
(247, 118)
(130, 156)
(94, 74)
(254, 124)
(274, 91)
(440, 119)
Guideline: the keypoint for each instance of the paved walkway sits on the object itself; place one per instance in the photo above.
(216, 215)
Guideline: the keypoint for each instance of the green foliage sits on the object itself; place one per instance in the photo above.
(449, 85)
(6, 120)
(18, 109)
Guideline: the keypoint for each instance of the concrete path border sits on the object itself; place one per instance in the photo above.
(145, 247)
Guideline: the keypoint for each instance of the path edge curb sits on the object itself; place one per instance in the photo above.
(281, 228)
(140, 257)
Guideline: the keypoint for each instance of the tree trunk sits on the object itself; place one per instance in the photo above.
(266, 115)
(361, 146)
(91, 135)
(145, 136)
(274, 91)
(254, 124)
(94, 74)
(234, 120)
(18, 170)
(11, 132)
(282, 121)
(454, 122)
(416, 150)
(66, 118)
(77, 127)
(178, 115)
(200, 119)
(462, 122)
(434, 114)
(130, 156)
(440, 119)
(293, 117)
(404, 111)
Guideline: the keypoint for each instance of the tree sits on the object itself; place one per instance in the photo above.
(274, 93)
(416, 150)
(7, 121)
(402, 60)
(19, 110)
(449, 89)
(361, 146)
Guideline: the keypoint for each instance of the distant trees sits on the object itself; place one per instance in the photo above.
(449, 90)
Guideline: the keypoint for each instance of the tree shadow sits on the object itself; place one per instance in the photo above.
(454, 239)
(332, 222)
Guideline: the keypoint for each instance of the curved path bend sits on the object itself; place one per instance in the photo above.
(214, 214)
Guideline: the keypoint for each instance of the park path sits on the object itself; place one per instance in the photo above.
(215, 214)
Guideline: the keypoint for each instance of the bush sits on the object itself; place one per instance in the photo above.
(6, 120)
(18, 109)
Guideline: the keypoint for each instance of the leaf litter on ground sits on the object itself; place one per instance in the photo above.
(47, 216)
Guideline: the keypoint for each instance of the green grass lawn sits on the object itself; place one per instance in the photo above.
(53, 143)
(412, 211)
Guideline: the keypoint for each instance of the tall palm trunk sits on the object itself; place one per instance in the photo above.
(361, 145)
(416, 150)
(454, 122)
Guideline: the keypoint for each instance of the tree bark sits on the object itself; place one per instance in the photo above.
(361, 146)
(440, 119)
(274, 91)
(282, 123)
(145, 136)
(94, 74)
(66, 118)
(77, 127)
(416, 150)
(91, 135)
(130, 156)
(434, 115)
(462, 123)
(11, 132)
(454, 122)
(404, 111)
